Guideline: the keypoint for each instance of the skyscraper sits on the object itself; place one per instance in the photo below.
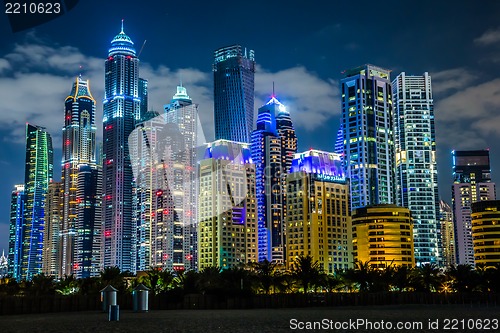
(121, 110)
(79, 148)
(472, 183)
(37, 176)
(318, 222)
(88, 212)
(143, 95)
(367, 125)
(234, 70)
(416, 167)
(16, 227)
(181, 176)
(51, 240)
(164, 161)
(447, 234)
(266, 154)
(273, 145)
(227, 214)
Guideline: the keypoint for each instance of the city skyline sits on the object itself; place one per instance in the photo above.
(466, 82)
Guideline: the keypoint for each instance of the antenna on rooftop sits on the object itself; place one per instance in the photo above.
(142, 48)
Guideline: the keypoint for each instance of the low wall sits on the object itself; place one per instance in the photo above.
(58, 303)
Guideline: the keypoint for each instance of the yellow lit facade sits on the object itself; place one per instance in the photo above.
(486, 232)
(227, 208)
(318, 222)
(383, 236)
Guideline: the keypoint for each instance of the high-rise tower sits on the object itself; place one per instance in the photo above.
(416, 167)
(51, 240)
(227, 229)
(17, 202)
(164, 161)
(78, 149)
(273, 145)
(234, 70)
(37, 176)
(121, 110)
(318, 221)
(368, 135)
(472, 183)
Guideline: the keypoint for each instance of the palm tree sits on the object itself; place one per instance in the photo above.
(112, 276)
(306, 271)
(427, 278)
(209, 280)
(42, 284)
(462, 278)
(187, 281)
(362, 275)
(267, 274)
(401, 278)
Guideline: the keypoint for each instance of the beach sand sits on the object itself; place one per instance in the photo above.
(254, 320)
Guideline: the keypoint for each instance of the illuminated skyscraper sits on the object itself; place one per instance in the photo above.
(121, 110)
(447, 234)
(416, 167)
(38, 174)
(143, 95)
(88, 212)
(286, 132)
(383, 236)
(164, 162)
(318, 222)
(367, 125)
(472, 183)
(17, 203)
(79, 148)
(234, 70)
(227, 213)
(51, 239)
(182, 178)
(273, 145)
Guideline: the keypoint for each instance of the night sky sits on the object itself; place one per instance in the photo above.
(303, 46)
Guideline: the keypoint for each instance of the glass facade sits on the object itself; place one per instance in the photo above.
(14, 257)
(367, 125)
(234, 70)
(416, 167)
(122, 107)
(79, 148)
(38, 174)
(472, 183)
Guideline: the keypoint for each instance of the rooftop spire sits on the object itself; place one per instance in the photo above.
(122, 27)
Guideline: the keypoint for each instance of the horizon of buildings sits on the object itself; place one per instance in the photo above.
(148, 199)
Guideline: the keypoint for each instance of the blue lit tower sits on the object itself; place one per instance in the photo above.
(79, 148)
(368, 135)
(266, 154)
(17, 202)
(416, 167)
(273, 146)
(121, 110)
(234, 70)
(286, 132)
(38, 174)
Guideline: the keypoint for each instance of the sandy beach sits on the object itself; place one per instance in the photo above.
(260, 320)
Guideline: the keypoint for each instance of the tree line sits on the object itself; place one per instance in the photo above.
(304, 276)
